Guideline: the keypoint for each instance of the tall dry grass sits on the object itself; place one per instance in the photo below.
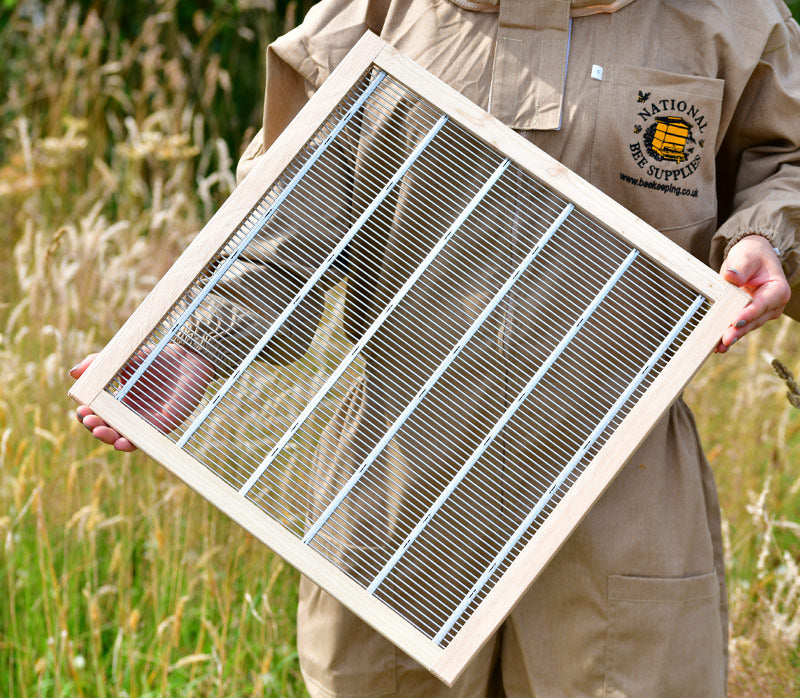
(114, 579)
(751, 429)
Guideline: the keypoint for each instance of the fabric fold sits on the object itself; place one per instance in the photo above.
(530, 63)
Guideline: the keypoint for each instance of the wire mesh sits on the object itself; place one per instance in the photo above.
(417, 349)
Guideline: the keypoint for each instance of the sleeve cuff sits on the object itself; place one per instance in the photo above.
(772, 235)
(205, 346)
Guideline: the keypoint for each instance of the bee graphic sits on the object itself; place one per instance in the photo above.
(637, 129)
(643, 96)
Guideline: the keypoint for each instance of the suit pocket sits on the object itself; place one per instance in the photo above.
(654, 144)
(664, 637)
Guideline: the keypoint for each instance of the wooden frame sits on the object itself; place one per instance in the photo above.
(446, 663)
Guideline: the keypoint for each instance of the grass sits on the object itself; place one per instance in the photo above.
(115, 579)
(752, 438)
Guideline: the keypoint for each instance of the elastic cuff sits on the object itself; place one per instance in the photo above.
(772, 235)
(204, 346)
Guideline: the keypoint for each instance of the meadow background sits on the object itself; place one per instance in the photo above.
(120, 125)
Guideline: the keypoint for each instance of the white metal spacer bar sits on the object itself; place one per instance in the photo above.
(434, 377)
(569, 467)
(507, 415)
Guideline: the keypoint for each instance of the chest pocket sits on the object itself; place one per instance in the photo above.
(654, 144)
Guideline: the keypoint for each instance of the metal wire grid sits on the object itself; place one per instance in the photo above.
(503, 270)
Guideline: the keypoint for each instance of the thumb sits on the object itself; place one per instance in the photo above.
(747, 259)
(78, 370)
(739, 268)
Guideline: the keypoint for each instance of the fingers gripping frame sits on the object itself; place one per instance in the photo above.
(434, 349)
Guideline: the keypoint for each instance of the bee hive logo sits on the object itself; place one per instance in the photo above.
(668, 141)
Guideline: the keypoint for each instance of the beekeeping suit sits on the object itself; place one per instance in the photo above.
(686, 113)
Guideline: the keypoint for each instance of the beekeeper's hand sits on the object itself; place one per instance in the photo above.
(165, 395)
(753, 265)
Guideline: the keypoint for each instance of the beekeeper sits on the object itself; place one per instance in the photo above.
(686, 113)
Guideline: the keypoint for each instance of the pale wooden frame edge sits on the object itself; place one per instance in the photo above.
(272, 534)
(227, 219)
(608, 462)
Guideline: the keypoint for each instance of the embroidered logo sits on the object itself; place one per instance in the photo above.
(667, 144)
(667, 138)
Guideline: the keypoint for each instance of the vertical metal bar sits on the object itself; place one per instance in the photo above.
(454, 352)
(228, 262)
(497, 428)
(568, 468)
(323, 391)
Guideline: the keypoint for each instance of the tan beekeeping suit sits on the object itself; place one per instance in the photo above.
(634, 603)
